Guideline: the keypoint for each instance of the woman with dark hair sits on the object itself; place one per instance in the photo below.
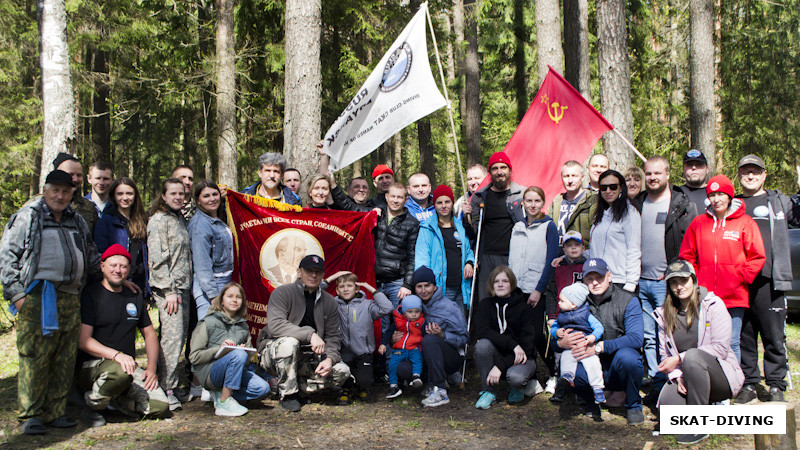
(694, 332)
(125, 223)
(212, 246)
(617, 232)
(506, 340)
(171, 280)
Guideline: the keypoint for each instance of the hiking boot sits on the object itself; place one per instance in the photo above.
(562, 389)
(364, 396)
(63, 422)
(747, 395)
(516, 395)
(635, 417)
(689, 439)
(532, 388)
(394, 391)
(437, 397)
(550, 386)
(229, 408)
(344, 398)
(92, 419)
(291, 403)
(776, 394)
(486, 400)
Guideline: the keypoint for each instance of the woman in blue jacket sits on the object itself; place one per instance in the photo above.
(125, 223)
(212, 246)
(442, 245)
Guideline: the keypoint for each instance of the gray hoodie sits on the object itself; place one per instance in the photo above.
(356, 321)
(619, 244)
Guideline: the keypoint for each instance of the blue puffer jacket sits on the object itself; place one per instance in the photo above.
(212, 252)
(112, 229)
(288, 196)
(429, 252)
(449, 317)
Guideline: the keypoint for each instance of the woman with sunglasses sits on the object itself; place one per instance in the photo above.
(617, 231)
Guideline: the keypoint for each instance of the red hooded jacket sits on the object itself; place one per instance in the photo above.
(412, 331)
(727, 254)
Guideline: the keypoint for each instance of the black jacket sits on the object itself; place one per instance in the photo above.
(394, 242)
(680, 214)
(518, 319)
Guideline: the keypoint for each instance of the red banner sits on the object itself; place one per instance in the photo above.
(270, 238)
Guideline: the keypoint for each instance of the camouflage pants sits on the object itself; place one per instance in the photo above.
(104, 383)
(46, 364)
(294, 368)
(174, 328)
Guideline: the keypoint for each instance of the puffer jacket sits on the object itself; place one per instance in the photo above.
(289, 197)
(713, 337)
(727, 254)
(212, 252)
(680, 214)
(507, 323)
(412, 331)
(582, 216)
(533, 247)
(170, 253)
(356, 319)
(212, 330)
(430, 253)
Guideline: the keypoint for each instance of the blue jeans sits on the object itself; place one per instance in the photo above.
(232, 371)
(390, 289)
(736, 330)
(201, 301)
(456, 296)
(621, 372)
(652, 294)
(413, 355)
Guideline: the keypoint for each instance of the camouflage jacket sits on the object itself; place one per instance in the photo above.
(170, 253)
(82, 206)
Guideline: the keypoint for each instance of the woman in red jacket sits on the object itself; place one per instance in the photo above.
(726, 250)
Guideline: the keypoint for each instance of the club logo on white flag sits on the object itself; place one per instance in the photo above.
(399, 91)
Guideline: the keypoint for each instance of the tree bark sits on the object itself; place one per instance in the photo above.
(701, 78)
(576, 46)
(226, 94)
(58, 104)
(548, 36)
(615, 84)
(303, 85)
(472, 78)
(520, 71)
(101, 120)
(427, 163)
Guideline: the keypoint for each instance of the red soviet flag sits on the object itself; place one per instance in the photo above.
(560, 125)
(270, 239)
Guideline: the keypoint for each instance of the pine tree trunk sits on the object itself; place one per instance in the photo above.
(58, 103)
(101, 120)
(615, 84)
(303, 85)
(472, 77)
(548, 37)
(226, 95)
(576, 46)
(701, 78)
(520, 69)
(427, 163)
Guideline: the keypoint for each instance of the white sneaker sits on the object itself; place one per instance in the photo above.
(174, 403)
(533, 387)
(550, 386)
(437, 397)
(205, 396)
(229, 408)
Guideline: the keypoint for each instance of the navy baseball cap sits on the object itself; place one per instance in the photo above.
(312, 262)
(595, 265)
(694, 155)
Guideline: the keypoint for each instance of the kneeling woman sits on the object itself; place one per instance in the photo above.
(506, 334)
(229, 377)
(694, 331)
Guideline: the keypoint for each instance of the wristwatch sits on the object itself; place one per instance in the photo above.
(597, 348)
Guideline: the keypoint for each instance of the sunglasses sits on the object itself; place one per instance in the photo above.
(607, 187)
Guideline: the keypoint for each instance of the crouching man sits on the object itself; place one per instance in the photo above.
(108, 373)
(300, 342)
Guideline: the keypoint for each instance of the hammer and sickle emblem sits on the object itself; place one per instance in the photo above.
(557, 112)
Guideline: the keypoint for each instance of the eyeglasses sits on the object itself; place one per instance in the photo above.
(609, 187)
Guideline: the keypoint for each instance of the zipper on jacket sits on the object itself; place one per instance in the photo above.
(408, 333)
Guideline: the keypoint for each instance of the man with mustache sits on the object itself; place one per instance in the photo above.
(271, 168)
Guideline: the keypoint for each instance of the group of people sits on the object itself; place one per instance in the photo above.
(669, 287)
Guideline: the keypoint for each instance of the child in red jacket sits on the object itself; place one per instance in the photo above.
(408, 320)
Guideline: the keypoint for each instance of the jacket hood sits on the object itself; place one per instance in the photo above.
(737, 210)
(226, 318)
(437, 296)
(360, 295)
(537, 222)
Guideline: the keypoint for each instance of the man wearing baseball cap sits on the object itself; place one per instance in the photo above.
(621, 315)
(107, 369)
(695, 172)
(301, 314)
(501, 201)
(773, 212)
(46, 256)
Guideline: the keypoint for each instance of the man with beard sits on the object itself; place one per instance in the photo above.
(598, 164)
(501, 201)
(695, 172)
(575, 208)
(270, 172)
(666, 215)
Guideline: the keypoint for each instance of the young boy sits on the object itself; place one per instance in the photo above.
(357, 315)
(575, 315)
(408, 320)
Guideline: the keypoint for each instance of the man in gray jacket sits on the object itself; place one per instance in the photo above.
(301, 314)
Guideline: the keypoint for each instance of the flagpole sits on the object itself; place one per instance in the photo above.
(446, 98)
(629, 144)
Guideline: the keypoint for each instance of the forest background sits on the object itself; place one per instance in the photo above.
(145, 81)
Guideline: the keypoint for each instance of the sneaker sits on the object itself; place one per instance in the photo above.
(205, 396)
(599, 396)
(437, 397)
(174, 403)
(486, 400)
(689, 439)
(195, 391)
(776, 394)
(635, 417)
(229, 407)
(291, 403)
(394, 391)
(344, 398)
(550, 386)
(365, 396)
(516, 396)
(593, 411)
(569, 378)
(426, 391)
(416, 382)
(92, 419)
(181, 395)
(33, 427)
(562, 389)
(532, 388)
(747, 395)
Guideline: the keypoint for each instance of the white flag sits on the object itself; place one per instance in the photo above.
(400, 91)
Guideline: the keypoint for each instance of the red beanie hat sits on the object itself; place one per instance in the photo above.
(443, 190)
(115, 250)
(499, 157)
(720, 183)
(381, 169)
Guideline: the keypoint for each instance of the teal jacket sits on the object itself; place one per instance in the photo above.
(430, 252)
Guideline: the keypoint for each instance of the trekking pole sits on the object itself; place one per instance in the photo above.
(472, 292)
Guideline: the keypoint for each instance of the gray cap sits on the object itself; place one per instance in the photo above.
(752, 159)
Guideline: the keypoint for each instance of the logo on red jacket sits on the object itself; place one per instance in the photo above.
(731, 235)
